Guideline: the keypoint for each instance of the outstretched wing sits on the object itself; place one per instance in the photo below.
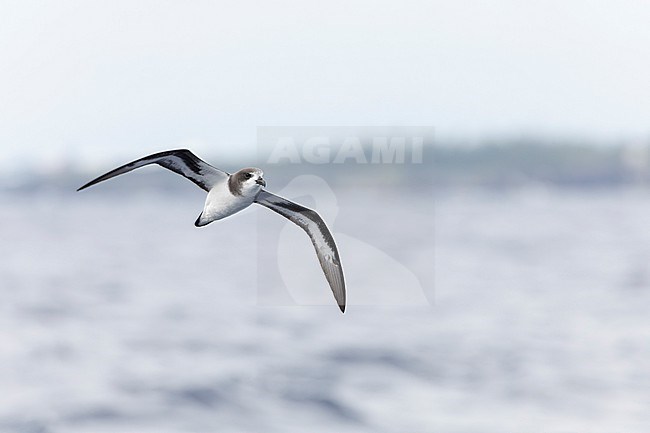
(180, 161)
(320, 236)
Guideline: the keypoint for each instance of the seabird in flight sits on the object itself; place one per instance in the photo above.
(230, 193)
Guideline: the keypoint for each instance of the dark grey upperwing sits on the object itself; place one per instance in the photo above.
(180, 161)
(320, 236)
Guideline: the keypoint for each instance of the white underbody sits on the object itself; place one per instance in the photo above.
(221, 203)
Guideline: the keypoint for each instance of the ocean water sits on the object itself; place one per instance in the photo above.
(117, 315)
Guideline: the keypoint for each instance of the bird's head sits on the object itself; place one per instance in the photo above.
(247, 181)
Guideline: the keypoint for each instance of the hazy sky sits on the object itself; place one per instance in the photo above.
(104, 79)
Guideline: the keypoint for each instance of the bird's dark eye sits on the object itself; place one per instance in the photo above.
(248, 175)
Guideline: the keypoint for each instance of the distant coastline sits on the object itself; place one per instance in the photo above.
(490, 165)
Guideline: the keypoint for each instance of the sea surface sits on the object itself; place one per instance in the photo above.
(520, 311)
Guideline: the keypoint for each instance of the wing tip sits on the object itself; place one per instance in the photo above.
(342, 308)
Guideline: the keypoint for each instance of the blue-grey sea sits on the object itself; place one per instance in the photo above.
(470, 311)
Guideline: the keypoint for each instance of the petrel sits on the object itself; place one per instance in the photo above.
(230, 193)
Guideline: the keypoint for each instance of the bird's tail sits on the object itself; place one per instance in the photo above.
(200, 222)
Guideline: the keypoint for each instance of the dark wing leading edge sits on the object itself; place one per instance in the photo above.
(320, 236)
(180, 161)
